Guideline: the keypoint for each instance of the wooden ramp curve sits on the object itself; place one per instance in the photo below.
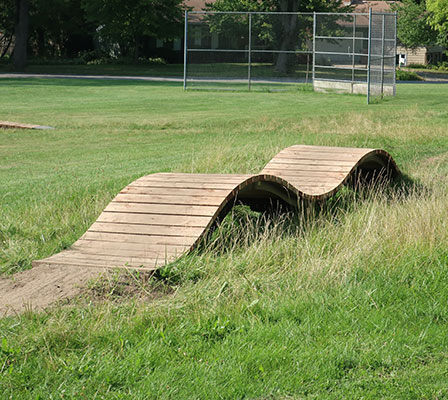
(160, 217)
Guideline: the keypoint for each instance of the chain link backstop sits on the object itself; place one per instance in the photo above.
(333, 51)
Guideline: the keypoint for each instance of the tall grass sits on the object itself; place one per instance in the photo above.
(342, 300)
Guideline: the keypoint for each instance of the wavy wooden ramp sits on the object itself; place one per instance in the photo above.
(159, 217)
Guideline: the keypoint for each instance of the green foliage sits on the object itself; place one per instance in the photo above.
(70, 29)
(413, 28)
(438, 19)
(7, 21)
(403, 75)
(126, 23)
(279, 5)
(59, 28)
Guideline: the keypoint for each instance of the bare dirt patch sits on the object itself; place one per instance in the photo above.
(42, 286)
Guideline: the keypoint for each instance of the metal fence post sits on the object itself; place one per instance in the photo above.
(369, 55)
(185, 48)
(250, 52)
(353, 51)
(383, 33)
(314, 47)
(395, 55)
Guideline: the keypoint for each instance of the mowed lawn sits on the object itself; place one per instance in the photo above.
(354, 305)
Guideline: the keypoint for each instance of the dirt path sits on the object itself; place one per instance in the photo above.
(42, 286)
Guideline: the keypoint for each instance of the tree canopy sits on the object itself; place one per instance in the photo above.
(422, 23)
(438, 19)
(66, 28)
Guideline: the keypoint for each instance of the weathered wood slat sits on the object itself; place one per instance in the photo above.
(181, 185)
(146, 229)
(161, 216)
(202, 192)
(305, 168)
(163, 209)
(296, 162)
(113, 249)
(330, 149)
(131, 238)
(154, 219)
(310, 174)
(181, 200)
(76, 255)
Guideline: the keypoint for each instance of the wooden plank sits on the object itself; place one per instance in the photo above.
(305, 155)
(164, 209)
(301, 180)
(310, 174)
(151, 247)
(182, 185)
(146, 229)
(128, 249)
(180, 200)
(293, 167)
(16, 125)
(106, 259)
(179, 192)
(76, 262)
(146, 239)
(294, 161)
(212, 178)
(154, 219)
(330, 149)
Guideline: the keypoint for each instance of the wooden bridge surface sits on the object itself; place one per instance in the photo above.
(161, 216)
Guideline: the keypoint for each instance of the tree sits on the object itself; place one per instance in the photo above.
(21, 32)
(127, 22)
(288, 31)
(7, 23)
(59, 28)
(413, 28)
(438, 19)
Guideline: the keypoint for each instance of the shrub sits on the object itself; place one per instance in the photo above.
(407, 76)
(418, 66)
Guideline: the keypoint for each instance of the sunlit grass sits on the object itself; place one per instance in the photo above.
(346, 300)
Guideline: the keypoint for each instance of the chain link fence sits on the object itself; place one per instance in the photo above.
(382, 78)
(278, 51)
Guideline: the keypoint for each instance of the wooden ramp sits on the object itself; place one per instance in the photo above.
(20, 125)
(160, 217)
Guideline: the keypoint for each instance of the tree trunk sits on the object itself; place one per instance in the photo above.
(285, 61)
(21, 33)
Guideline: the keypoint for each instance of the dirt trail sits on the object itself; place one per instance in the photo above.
(42, 286)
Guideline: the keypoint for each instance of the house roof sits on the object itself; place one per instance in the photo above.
(362, 6)
(197, 5)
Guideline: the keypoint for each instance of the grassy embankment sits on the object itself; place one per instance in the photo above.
(353, 304)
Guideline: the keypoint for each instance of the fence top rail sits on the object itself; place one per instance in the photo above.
(384, 13)
(251, 12)
(287, 13)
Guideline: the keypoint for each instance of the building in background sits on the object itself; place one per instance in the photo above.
(405, 56)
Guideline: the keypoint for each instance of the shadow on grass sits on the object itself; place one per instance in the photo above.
(85, 82)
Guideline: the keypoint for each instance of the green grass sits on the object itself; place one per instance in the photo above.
(352, 304)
